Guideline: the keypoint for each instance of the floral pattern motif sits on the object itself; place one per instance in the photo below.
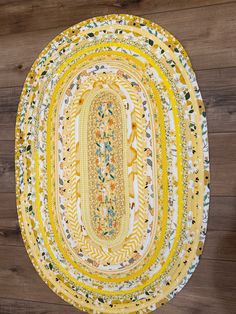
(106, 197)
(167, 164)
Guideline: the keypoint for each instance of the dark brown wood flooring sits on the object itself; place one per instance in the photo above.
(207, 29)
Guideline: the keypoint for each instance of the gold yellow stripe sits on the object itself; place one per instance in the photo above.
(85, 207)
(172, 97)
(153, 301)
(165, 201)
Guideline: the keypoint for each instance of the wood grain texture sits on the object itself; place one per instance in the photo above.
(28, 16)
(213, 279)
(207, 29)
(220, 242)
(201, 30)
(222, 154)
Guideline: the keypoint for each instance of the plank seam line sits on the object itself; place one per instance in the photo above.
(141, 15)
(192, 8)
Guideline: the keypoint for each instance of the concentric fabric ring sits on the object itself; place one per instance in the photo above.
(112, 166)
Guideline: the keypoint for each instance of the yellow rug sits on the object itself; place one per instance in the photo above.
(112, 165)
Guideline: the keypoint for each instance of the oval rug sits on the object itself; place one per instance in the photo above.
(112, 167)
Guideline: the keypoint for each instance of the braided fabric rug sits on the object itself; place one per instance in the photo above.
(112, 167)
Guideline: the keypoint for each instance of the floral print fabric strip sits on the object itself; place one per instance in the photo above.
(112, 165)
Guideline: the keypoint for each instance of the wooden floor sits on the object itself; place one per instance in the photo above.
(207, 29)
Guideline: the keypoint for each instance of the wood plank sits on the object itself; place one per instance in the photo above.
(191, 304)
(220, 241)
(8, 205)
(19, 50)
(10, 232)
(220, 245)
(223, 164)
(7, 166)
(180, 305)
(9, 98)
(222, 156)
(208, 35)
(207, 29)
(19, 278)
(24, 16)
(215, 280)
(222, 214)
(12, 306)
(7, 126)
(218, 87)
